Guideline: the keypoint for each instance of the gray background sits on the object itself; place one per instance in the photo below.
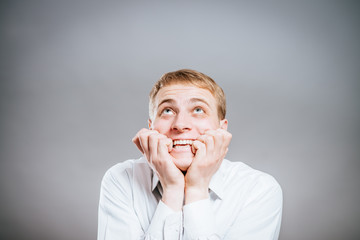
(75, 77)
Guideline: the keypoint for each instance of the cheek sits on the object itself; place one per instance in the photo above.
(161, 126)
(205, 125)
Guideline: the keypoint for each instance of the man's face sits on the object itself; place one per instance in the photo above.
(183, 113)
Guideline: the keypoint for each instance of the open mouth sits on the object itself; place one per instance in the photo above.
(183, 152)
(182, 143)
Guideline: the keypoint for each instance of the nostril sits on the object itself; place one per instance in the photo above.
(181, 123)
(181, 128)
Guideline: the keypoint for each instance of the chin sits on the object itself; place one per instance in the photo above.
(182, 159)
(183, 163)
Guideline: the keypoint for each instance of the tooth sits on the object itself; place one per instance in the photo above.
(183, 142)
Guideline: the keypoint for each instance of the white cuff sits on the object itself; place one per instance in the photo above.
(166, 223)
(199, 220)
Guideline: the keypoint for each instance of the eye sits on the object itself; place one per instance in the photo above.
(167, 111)
(198, 110)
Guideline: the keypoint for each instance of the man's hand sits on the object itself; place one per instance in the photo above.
(156, 148)
(211, 149)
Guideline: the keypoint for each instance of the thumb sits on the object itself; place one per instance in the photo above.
(169, 144)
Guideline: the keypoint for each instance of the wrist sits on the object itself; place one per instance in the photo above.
(173, 198)
(193, 194)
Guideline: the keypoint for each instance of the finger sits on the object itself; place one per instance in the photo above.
(208, 140)
(202, 138)
(164, 146)
(143, 137)
(224, 126)
(169, 144)
(153, 141)
(136, 139)
(223, 156)
(200, 149)
(226, 138)
(193, 149)
(222, 139)
(144, 140)
(218, 140)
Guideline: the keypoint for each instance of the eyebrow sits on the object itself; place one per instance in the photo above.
(192, 100)
(166, 100)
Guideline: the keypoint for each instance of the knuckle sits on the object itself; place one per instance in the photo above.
(163, 141)
(153, 137)
(208, 138)
(211, 132)
(142, 131)
(226, 135)
(219, 135)
(229, 136)
(143, 137)
(198, 144)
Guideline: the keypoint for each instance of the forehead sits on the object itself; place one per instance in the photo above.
(180, 92)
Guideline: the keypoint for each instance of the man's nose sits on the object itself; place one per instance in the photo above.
(182, 122)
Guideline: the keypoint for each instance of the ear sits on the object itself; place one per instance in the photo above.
(150, 123)
(224, 124)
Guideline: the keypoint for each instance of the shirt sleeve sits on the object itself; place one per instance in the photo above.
(260, 218)
(165, 224)
(117, 218)
(199, 221)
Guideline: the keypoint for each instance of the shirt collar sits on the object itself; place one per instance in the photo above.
(216, 183)
(154, 180)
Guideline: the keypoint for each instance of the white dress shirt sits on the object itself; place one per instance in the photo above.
(243, 204)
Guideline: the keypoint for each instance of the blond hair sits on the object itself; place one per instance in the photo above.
(189, 77)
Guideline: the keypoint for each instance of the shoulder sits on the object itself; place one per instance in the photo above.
(240, 175)
(126, 171)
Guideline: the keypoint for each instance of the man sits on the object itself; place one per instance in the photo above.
(182, 187)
